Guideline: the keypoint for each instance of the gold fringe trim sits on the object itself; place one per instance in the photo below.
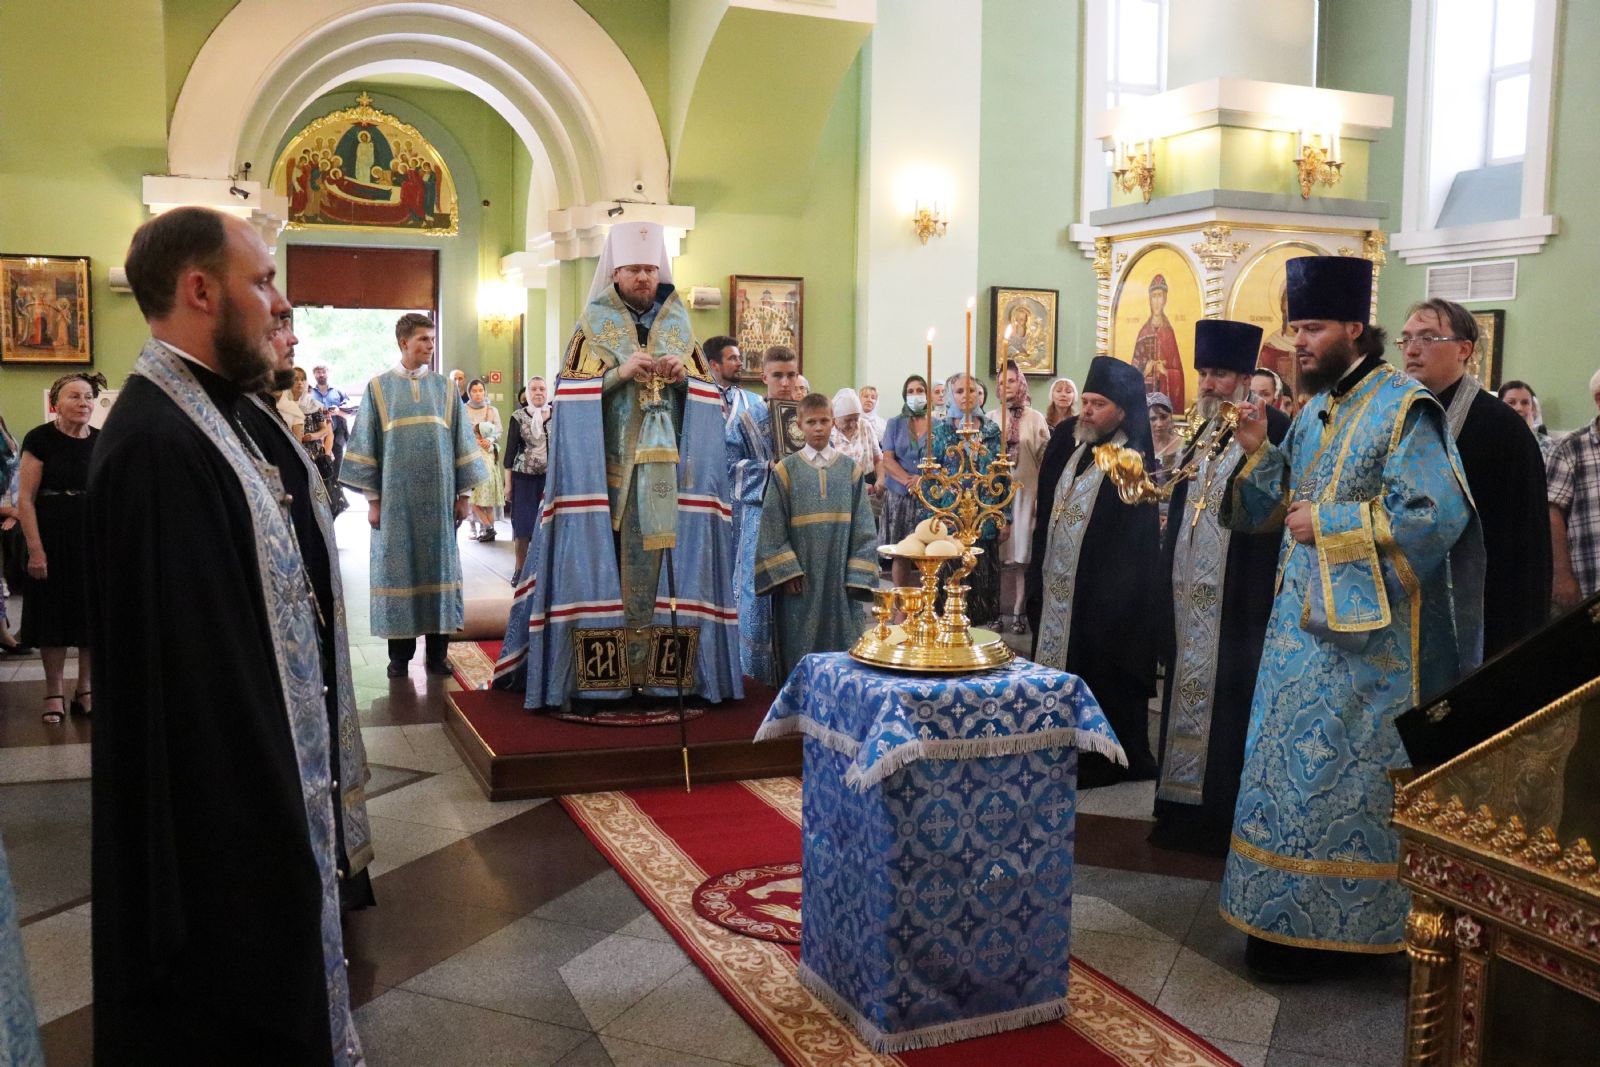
(1309, 942)
(1319, 868)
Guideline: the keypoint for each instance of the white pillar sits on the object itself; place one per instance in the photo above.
(919, 138)
(1259, 40)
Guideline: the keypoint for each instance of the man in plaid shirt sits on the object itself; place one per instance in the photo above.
(1573, 472)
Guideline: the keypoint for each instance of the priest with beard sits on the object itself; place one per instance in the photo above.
(1220, 594)
(1378, 606)
(1505, 470)
(1093, 583)
(215, 840)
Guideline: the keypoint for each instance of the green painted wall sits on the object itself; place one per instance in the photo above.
(70, 162)
(1365, 46)
(817, 242)
(187, 25)
(1028, 179)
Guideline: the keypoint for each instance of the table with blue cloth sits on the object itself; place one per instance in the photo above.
(937, 824)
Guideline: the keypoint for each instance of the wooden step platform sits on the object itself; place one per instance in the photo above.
(515, 754)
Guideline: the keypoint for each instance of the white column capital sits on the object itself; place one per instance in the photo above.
(256, 203)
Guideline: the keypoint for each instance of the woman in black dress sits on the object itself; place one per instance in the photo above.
(53, 504)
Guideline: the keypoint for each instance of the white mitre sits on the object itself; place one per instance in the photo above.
(628, 244)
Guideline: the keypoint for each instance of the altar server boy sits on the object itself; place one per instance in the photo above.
(816, 552)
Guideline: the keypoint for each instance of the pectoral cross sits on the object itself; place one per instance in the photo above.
(1199, 506)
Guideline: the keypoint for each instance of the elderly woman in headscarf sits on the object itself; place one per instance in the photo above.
(1063, 402)
(853, 434)
(983, 584)
(905, 442)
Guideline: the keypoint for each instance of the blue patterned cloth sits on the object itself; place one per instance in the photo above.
(884, 720)
(19, 1032)
(938, 828)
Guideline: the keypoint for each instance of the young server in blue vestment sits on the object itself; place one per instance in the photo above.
(816, 553)
(414, 457)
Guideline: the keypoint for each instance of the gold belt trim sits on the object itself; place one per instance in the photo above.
(1320, 868)
(1309, 942)
(820, 517)
(416, 590)
(418, 420)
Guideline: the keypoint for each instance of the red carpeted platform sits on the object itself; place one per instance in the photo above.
(515, 754)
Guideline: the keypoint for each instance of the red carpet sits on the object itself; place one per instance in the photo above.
(507, 728)
(665, 843)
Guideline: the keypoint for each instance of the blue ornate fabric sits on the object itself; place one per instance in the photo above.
(19, 1029)
(885, 720)
(1384, 609)
(938, 829)
(748, 443)
(291, 611)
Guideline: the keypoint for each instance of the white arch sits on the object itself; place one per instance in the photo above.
(544, 65)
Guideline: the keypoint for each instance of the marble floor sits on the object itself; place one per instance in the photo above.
(502, 937)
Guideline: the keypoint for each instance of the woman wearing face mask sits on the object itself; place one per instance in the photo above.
(904, 445)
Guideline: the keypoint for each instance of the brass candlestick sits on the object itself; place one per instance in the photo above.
(930, 640)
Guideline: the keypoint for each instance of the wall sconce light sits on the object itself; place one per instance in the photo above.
(929, 221)
(1318, 164)
(1136, 167)
(500, 306)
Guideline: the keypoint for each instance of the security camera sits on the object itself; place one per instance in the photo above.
(638, 186)
(613, 212)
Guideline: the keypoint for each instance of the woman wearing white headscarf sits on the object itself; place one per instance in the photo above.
(854, 435)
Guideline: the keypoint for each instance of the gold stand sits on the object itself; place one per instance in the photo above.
(1430, 944)
(928, 640)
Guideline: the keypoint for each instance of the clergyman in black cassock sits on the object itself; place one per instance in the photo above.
(1504, 468)
(1093, 581)
(1218, 598)
(216, 923)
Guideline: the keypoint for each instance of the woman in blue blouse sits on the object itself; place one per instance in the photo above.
(905, 442)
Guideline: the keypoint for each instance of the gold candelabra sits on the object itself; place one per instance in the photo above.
(1125, 467)
(931, 640)
(1318, 165)
(1137, 170)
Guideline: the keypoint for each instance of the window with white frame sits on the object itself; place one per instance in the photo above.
(1478, 129)
(1510, 63)
(1136, 50)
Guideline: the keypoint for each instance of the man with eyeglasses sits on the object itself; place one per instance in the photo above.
(1379, 605)
(1505, 470)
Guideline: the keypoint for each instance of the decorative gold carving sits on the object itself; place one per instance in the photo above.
(1102, 257)
(1469, 932)
(1122, 261)
(1371, 249)
(1439, 712)
(1216, 251)
(1577, 861)
(1471, 997)
(1546, 914)
(1551, 966)
(1431, 946)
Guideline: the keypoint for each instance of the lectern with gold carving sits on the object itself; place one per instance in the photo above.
(1504, 934)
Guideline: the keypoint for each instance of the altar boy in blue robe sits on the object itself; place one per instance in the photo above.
(816, 553)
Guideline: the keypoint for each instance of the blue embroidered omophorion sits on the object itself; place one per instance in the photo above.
(19, 1030)
(938, 828)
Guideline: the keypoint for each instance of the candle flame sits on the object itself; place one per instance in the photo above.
(930, 335)
(972, 302)
(1008, 333)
